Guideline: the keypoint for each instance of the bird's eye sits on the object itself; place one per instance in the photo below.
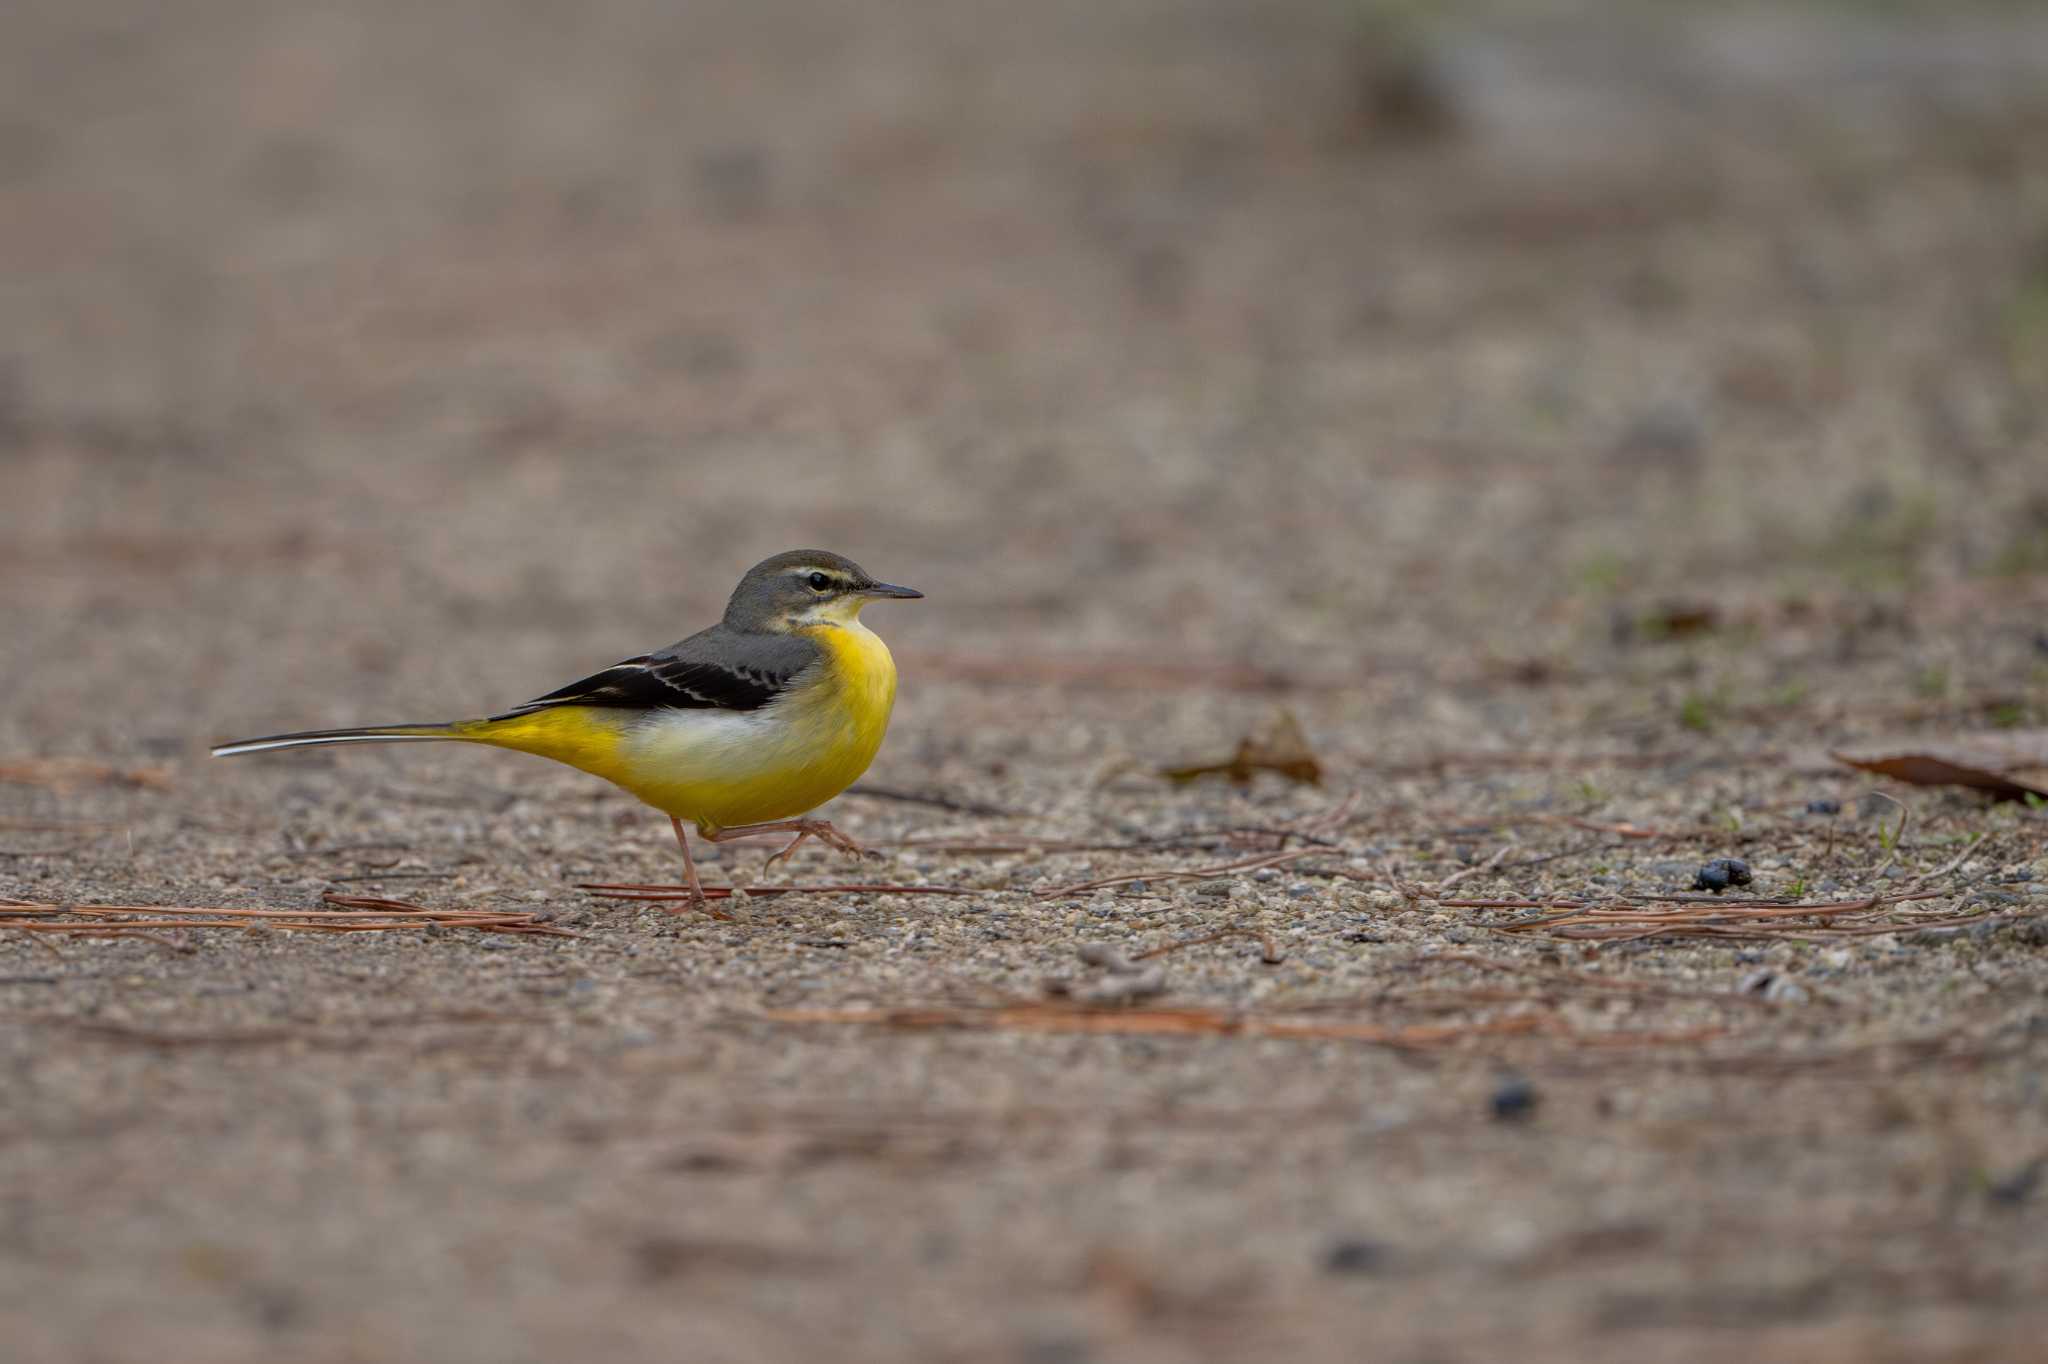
(819, 582)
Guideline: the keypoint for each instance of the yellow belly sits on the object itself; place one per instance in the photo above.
(589, 737)
(719, 769)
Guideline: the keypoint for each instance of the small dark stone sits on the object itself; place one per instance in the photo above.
(1722, 873)
(1355, 1255)
(1823, 807)
(2018, 1187)
(1514, 1100)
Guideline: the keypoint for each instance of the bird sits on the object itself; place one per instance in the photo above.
(741, 729)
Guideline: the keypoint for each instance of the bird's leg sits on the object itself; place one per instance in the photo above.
(820, 829)
(689, 866)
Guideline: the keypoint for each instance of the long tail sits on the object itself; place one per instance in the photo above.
(377, 734)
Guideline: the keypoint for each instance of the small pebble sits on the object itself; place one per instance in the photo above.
(1721, 873)
(1354, 1255)
(1221, 889)
(1823, 807)
(2019, 1186)
(1514, 1100)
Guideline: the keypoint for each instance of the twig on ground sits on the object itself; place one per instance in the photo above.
(1055, 1017)
(1000, 846)
(1622, 921)
(1192, 874)
(1945, 868)
(81, 771)
(1269, 951)
(353, 914)
(1308, 831)
(1488, 865)
(1547, 858)
(626, 890)
(341, 849)
(936, 801)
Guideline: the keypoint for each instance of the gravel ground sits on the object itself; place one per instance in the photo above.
(1579, 424)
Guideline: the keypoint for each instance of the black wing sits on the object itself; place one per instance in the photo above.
(717, 670)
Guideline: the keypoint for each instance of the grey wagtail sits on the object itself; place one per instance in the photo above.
(738, 729)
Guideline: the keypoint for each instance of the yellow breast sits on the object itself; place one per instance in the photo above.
(719, 769)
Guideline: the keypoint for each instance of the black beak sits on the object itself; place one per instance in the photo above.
(890, 590)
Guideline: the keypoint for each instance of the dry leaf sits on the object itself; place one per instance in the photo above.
(1282, 748)
(2007, 766)
(1676, 619)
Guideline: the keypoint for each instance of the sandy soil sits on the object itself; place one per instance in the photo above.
(1580, 433)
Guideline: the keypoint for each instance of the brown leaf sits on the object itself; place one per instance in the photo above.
(2003, 765)
(1282, 748)
(1676, 619)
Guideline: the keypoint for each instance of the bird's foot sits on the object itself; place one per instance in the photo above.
(820, 829)
(823, 831)
(696, 902)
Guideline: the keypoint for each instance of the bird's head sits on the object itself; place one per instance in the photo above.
(802, 588)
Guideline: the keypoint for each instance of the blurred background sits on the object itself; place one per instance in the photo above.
(1579, 416)
(1331, 335)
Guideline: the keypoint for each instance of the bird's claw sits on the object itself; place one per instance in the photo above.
(827, 835)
